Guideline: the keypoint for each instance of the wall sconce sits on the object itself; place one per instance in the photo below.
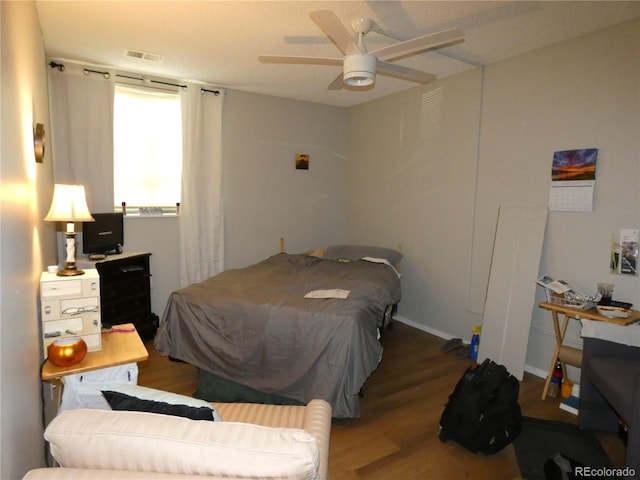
(69, 205)
(38, 142)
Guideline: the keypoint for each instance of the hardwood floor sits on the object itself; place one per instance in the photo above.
(396, 436)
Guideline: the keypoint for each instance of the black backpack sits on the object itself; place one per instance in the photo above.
(482, 413)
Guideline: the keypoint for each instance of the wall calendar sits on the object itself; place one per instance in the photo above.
(573, 176)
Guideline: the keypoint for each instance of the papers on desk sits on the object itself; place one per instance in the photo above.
(556, 286)
(561, 293)
(331, 293)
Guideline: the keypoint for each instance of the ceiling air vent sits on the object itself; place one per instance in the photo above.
(151, 57)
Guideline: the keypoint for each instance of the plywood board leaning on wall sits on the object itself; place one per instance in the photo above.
(512, 283)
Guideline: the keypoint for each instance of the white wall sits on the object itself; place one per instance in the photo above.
(265, 197)
(441, 197)
(411, 176)
(26, 242)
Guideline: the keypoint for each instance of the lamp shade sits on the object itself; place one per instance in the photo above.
(69, 204)
(359, 70)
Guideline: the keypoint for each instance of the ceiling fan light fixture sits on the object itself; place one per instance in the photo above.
(359, 70)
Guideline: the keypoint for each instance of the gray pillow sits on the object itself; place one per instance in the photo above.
(356, 252)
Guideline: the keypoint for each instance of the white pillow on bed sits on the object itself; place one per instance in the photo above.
(356, 252)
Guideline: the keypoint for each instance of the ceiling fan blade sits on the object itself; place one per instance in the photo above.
(333, 28)
(405, 73)
(337, 84)
(419, 44)
(288, 59)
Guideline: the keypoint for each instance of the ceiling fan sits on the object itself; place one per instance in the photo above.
(359, 67)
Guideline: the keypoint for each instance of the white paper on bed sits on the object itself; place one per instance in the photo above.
(331, 293)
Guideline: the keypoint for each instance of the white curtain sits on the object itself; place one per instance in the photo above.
(201, 209)
(82, 132)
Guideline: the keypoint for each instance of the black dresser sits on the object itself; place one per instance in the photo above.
(125, 292)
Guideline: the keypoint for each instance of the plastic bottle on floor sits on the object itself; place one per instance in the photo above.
(475, 342)
(556, 381)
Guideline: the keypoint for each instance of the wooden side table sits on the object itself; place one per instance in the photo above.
(571, 355)
(120, 345)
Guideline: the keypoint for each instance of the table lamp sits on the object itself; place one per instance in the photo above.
(69, 205)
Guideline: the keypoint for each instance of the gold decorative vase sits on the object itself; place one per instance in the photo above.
(67, 351)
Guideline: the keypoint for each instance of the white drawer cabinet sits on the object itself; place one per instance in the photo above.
(70, 306)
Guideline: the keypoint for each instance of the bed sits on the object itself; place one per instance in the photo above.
(253, 328)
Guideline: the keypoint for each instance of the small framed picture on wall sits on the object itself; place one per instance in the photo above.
(302, 161)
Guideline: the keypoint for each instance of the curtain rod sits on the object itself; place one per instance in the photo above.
(87, 71)
(146, 80)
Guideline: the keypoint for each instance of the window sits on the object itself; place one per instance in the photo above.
(147, 144)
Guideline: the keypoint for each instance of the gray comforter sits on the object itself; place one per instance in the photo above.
(253, 325)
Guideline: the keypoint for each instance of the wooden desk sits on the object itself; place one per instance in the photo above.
(118, 348)
(570, 355)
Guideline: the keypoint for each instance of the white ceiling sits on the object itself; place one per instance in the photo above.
(218, 42)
